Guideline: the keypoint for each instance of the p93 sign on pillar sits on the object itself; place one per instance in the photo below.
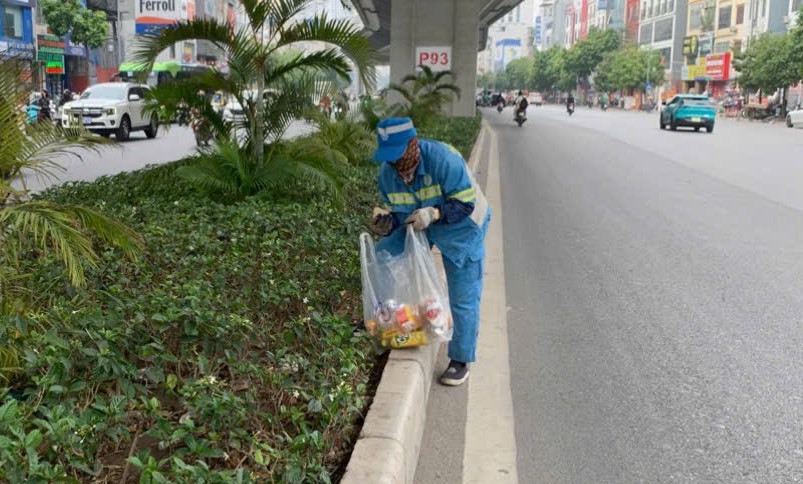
(436, 58)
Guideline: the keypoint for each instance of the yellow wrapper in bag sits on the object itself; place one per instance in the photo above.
(392, 338)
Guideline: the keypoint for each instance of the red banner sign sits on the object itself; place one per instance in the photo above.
(717, 66)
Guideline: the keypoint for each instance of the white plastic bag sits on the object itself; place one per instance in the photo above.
(405, 302)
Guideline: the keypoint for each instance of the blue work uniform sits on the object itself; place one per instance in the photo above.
(442, 180)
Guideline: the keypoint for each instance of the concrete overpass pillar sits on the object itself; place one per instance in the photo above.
(437, 23)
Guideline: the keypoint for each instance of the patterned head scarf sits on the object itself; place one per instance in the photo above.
(407, 164)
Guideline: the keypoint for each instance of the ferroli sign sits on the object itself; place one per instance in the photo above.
(150, 16)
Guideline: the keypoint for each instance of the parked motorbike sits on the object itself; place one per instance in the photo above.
(200, 128)
(31, 113)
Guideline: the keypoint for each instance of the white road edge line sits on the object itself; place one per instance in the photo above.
(489, 456)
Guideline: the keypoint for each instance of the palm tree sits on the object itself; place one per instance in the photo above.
(38, 226)
(425, 93)
(255, 60)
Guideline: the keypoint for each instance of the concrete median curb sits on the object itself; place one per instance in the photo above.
(387, 449)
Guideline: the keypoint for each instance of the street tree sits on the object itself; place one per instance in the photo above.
(520, 72)
(85, 26)
(485, 80)
(585, 55)
(768, 63)
(796, 34)
(502, 81)
(565, 79)
(628, 68)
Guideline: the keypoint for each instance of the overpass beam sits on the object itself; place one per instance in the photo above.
(438, 23)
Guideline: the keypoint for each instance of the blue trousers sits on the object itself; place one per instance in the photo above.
(465, 290)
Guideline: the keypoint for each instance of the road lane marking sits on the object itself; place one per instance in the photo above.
(489, 455)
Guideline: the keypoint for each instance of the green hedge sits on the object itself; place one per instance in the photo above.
(231, 352)
(459, 132)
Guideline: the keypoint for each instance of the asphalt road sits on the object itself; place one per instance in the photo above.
(654, 298)
(138, 152)
(655, 293)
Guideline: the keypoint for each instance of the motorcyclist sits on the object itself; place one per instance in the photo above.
(44, 106)
(66, 97)
(521, 105)
(570, 102)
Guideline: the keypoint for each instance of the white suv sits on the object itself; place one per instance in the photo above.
(111, 108)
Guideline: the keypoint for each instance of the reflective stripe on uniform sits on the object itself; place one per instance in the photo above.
(480, 204)
(401, 198)
(429, 192)
(465, 196)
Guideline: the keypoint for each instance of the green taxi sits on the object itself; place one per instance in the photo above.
(689, 110)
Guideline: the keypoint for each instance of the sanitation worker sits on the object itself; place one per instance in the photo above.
(426, 184)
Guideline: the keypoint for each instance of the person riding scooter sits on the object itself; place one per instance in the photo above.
(570, 104)
(520, 105)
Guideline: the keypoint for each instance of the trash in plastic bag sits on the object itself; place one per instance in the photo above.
(405, 302)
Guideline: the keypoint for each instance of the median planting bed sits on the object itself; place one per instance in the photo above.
(230, 351)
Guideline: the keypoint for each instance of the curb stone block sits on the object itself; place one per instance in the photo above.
(386, 465)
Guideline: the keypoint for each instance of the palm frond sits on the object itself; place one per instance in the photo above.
(146, 48)
(342, 34)
(324, 60)
(282, 13)
(447, 87)
(108, 230)
(257, 12)
(51, 228)
(45, 143)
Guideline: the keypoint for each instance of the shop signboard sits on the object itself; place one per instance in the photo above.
(705, 43)
(537, 31)
(21, 50)
(50, 51)
(690, 46)
(696, 71)
(50, 48)
(151, 16)
(73, 49)
(717, 66)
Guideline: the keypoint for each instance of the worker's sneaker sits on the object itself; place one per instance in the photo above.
(456, 373)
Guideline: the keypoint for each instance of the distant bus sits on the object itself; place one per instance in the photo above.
(162, 72)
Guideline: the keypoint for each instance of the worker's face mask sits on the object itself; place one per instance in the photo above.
(407, 164)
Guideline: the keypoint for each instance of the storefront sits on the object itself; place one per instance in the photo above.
(717, 70)
(16, 31)
(50, 54)
(76, 66)
(694, 76)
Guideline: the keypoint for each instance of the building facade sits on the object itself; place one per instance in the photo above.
(662, 28)
(17, 36)
(714, 33)
(509, 38)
